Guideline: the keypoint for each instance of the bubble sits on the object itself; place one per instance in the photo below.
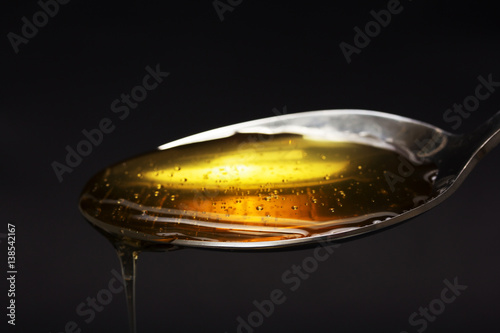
(259, 208)
(295, 207)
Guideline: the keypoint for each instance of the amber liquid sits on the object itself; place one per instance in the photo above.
(254, 188)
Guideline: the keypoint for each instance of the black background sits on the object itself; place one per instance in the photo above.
(263, 55)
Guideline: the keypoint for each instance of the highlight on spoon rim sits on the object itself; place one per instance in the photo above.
(262, 126)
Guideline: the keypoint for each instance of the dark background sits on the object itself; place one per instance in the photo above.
(263, 55)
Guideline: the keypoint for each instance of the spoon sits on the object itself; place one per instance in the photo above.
(142, 203)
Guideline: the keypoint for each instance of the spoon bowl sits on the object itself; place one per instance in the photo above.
(453, 155)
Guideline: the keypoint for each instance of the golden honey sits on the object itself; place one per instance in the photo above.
(254, 188)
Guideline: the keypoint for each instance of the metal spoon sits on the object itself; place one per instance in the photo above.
(453, 155)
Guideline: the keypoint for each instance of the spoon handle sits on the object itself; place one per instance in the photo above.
(485, 137)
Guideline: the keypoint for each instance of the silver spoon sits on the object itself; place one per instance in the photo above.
(454, 156)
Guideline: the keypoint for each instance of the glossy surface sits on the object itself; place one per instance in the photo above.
(255, 188)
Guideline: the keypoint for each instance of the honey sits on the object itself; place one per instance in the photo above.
(254, 188)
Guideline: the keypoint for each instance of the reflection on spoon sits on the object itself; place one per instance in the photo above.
(277, 182)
